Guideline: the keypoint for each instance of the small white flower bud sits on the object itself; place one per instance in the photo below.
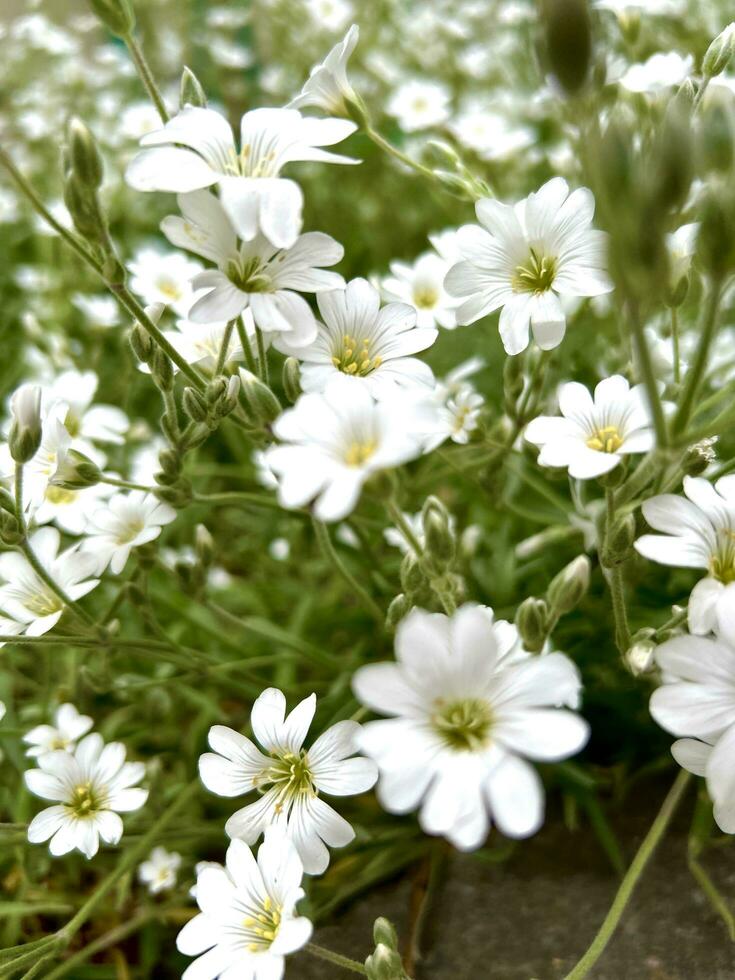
(26, 429)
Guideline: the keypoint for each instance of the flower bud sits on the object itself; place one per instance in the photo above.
(384, 964)
(412, 574)
(170, 461)
(191, 91)
(203, 545)
(699, 456)
(82, 205)
(532, 617)
(569, 586)
(26, 428)
(194, 405)
(162, 370)
(6, 501)
(678, 293)
(142, 344)
(228, 399)
(75, 471)
(291, 378)
(568, 34)
(718, 54)
(260, 400)
(674, 160)
(439, 543)
(10, 533)
(716, 239)
(640, 656)
(399, 607)
(116, 15)
(84, 155)
(384, 933)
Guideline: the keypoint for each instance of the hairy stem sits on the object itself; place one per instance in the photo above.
(146, 76)
(344, 961)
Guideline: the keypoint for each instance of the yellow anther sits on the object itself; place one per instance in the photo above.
(605, 440)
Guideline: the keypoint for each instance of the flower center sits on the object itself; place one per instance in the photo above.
(168, 288)
(130, 531)
(359, 453)
(536, 276)
(353, 357)
(292, 775)
(464, 725)
(43, 603)
(72, 423)
(606, 439)
(261, 928)
(57, 495)
(248, 275)
(425, 297)
(84, 801)
(722, 564)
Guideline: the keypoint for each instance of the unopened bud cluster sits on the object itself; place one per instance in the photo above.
(536, 618)
(385, 962)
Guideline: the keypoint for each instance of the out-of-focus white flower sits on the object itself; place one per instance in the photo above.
(328, 87)
(524, 258)
(68, 727)
(592, 436)
(659, 72)
(127, 521)
(160, 870)
(699, 532)
(681, 245)
(200, 343)
(279, 549)
(419, 105)
(330, 15)
(139, 119)
(248, 922)
(422, 285)
(86, 422)
(290, 779)
(468, 706)
(163, 277)
(101, 311)
(253, 274)
(369, 345)
(490, 135)
(89, 789)
(55, 441)
(27, 598)
(196, 149)
(335, 440)
(713, 760)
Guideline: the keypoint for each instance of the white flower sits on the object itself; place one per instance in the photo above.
(254, 274)
(196, 149)
(55, 441)
(699, 532)
(25, 406)
(370, 345)
(68, 728)
(85, 422)
(159, 871)
(593, 435)
(524, 258)
(490, 135)
(163, 277)
(659, 72)
(127, 521)
(200, 343)
(468, 706)
(100, 310)
(419, 105)
(336, 440)
(90, 788)
(248, 922)
(289, 779)
(697, 700)
(422, 285)
(27, 598)
(328, 87)
(681, 246)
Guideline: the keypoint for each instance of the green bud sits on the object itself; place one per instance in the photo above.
(199, 433)
(640, 656)
(10, 533)
(116, 15)
(569, 587)
(82, 205)
(6, 501)
(26, 428)
(678, 293)
(83, 153)
(142, 343)
(674, 160)
(568, 35)
(291, 378)
(412, 574)
(532, 618)
(162, 370)
(399, 607)
(194, 405)
(384, 932)
(203, 545)
(191, 91)
(262, 404)
(114, 272)
(439, 541)
(619, 541)
(228, 399)
(170, 462)
(384, 964)
(719, 53)
(699, 456)
(75, 471)
(716, 239)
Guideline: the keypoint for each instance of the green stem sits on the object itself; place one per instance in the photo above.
(344, 961)
(675, 341)
(246, 347)
(241, 496)
(629, 882)
(222, 356)
(146, 76)
(262, 360)
(111, 481)
(615, 582)
(108, 939)
(396, 515)
(393, 151)
(695, 375)
(648, 376)
(325, 543)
